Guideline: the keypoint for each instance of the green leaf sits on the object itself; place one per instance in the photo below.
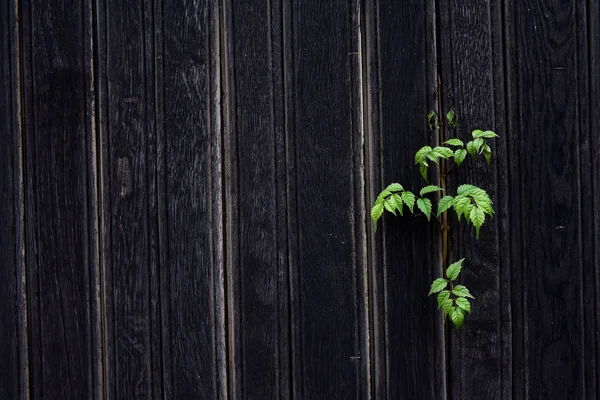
(451, 118)
(487, 153)
(471, 148)
(409, 200)
(394, 187)
(444, 204)
(460, 205)
(459, 156)
(376, 212)
(429, 189)
(397, 202)
(477, 217)
(432, 120)
(457, 315)
(437, 286)
(483, 134)
(447, 306)
(443, 296)
(478, 143)
(454, 142)
(462, 291)
(454, 269)
(477, 133)
(423, 171)
(425, 206)
(433, 157)
(464, 304)
(421, 154)
(466, 189)
(389, 205)
(443, 152)
(382, 196)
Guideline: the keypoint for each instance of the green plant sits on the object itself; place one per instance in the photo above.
(470, 202)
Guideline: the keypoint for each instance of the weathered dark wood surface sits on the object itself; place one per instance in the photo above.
(185, 190)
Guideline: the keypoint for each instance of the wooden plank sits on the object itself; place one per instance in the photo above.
(471, 46)
(257, 246)
(129, 221)
(544, 144)
(401, 71)
(588, 40)
(325, 136)
(56, 128)
(193, 270)
(13, 356)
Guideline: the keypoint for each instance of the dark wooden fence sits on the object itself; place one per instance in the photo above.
(185, 186)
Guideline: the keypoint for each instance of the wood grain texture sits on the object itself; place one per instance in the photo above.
(544, 153)
(193, 274)
(127, 136)
(408, 352)
(326, 200)
(472, 57)
(257, 247)
(56, 129)
(13, 356)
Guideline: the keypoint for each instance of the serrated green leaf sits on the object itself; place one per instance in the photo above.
(476, 133)
(451, 118)
(464, 304)
(454, 270)
(432, 120)
(457, 315)
(443, 296)
(397, 200)
(478, 143)
(465, 189)
(461, 291)
(459, 156)
(443, 152)
(429, 189)
(488, 155)
(460, 205)
(425, 207)
(447, 306)
(382, 196)
(483, 134)
(471, 149)
(423, 171)
(454, 142)
(376, 212)
(437, 286)
(421, 154)
(444, 204)
(477, 219)
(394, 187)
(390, 206)
(409, 200)
(433, 157)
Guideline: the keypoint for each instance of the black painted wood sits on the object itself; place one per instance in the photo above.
(257, 202)
(56, 117)
(326, 200)
(192, 277)
(407, 332)
(126, 98)
(12, 384)
(472, 81)
(545, 160)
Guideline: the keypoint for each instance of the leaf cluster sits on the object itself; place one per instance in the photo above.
(452, 299)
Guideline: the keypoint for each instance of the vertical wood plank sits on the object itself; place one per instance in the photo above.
(257, 246)
(193, 273)
(544, 152)
(55, 38)
(326, 200)
(408, 352)
(471, 48)
(13, 349)
(125, 58)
